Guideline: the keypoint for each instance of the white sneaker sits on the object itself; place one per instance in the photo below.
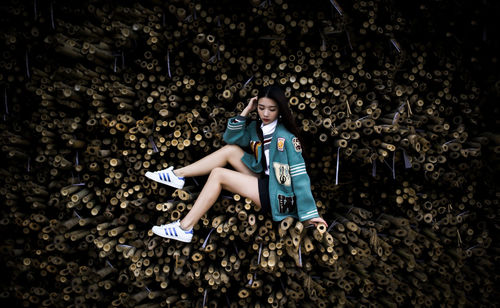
(173, 231)
(167, 177)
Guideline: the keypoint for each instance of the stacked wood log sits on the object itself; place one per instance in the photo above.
(400, 156)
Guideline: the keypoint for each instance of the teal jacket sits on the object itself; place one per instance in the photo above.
(289, 185)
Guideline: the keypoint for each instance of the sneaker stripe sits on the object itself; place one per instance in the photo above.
(168, 176)
(175, 231)
(160, 175)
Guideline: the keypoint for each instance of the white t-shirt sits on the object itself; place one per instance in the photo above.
(267, 131)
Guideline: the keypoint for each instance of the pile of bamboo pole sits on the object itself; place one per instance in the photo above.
(95, 95)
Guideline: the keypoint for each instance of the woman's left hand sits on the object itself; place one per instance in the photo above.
(315, 221)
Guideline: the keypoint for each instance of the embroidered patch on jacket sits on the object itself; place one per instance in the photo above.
(255, 145)
(296, 145)
(286, 204)
(281, 144)
(282, 173)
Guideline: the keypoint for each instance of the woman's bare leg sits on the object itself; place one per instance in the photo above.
(221, 178)
(227, 154)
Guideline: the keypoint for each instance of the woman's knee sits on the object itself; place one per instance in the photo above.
(217, 173)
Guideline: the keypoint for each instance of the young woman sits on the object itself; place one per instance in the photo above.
(273, 176)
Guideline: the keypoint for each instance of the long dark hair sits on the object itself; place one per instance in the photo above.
(285, 113)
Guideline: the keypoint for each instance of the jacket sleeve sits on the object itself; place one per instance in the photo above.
(236, 132)
(301, 184)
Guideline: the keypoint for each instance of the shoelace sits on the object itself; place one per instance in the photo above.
(165, 175)
(177, 221)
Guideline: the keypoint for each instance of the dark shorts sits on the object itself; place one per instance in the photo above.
(264, 194)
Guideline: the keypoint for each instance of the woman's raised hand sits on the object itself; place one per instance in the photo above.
(252, 105)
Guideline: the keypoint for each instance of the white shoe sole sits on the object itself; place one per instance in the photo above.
(152, 176)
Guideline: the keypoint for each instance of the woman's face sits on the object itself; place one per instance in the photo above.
(267, 109)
